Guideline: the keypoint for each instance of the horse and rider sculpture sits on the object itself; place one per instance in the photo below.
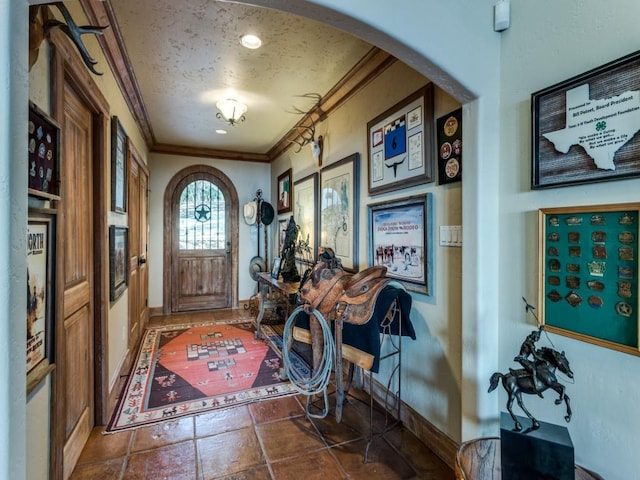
(537, 375)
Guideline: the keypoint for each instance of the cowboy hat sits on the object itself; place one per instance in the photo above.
(250, 211)
(266, 213)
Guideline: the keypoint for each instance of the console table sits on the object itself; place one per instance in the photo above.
(287, 291)
(479, 459)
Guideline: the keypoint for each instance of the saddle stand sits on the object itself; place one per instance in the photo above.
(331, 296)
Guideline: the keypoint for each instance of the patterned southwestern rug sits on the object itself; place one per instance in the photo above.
(189, 369)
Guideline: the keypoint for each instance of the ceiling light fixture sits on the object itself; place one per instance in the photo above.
(250, 41)
(231, 111)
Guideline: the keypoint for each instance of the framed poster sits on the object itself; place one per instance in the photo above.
(588, 272)
(118, 167)
(400, 144)
(400, 238)
(306, 217)
(40, 296)
(118, 261)
(585, 128)
(449, 147)
(44, 154)
(339, 204)
(284, 192)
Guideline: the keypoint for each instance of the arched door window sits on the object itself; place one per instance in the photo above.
(202, 216)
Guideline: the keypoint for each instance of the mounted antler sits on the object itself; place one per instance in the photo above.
(307, 133)
(70, 28)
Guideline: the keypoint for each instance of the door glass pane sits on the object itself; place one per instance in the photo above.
(202, 217)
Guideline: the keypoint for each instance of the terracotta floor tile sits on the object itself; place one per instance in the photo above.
(382, 461)
(357, 414)
(423, 460)
(164, 433)
(288, 438)
(319, 465)
(258, 473)
(276, 409)
(220, 421)
(103, 447)
(172, 462)
(229, 453)
(334, 433)
(107, 470)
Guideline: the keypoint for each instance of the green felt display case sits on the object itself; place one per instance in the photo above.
(589, 273)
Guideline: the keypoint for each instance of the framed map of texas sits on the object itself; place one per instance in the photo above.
(587, 129)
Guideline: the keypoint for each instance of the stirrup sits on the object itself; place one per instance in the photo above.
(324, 412)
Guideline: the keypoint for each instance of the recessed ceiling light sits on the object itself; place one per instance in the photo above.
(221, 132)
(250, 41)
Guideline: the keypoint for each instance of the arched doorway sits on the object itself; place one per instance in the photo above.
(200, 241)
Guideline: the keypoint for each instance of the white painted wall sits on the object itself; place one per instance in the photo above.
(550, 42)
(247, 177)
(13, 221)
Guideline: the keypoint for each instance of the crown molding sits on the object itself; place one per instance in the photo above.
(100, 12)
(209, 153)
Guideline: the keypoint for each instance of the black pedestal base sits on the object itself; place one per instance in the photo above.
(545, 453)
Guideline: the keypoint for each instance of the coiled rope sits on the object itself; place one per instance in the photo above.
(318, 380)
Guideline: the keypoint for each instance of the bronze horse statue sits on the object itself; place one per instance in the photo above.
(520, 381)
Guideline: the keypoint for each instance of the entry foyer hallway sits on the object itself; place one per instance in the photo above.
(270, 440)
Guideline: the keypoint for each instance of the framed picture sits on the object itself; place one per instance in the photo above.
(285, 192)
(40, 296)
(305, 215)
(400, 238)
(44, 154)
(584, 129)
(282, 232)
(118, 261)
(118, 167)
(588, 273)
(449, 147)
(275, 268)
(400, 144)
(339, 204)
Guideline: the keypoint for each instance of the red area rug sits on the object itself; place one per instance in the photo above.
(190, 369)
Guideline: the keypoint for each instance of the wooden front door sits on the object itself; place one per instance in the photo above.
(138, 228)
(201, 244)
(75, 234)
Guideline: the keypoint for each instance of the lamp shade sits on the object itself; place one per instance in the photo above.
(231, 110)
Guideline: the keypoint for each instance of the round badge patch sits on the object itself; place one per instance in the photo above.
(450, 126)
(452, 167)
(445, 150)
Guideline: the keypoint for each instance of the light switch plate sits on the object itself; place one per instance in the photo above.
(451, 235)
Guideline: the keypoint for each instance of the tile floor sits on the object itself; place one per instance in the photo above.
(269, 440)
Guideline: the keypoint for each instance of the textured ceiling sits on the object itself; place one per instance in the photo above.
(186, 55)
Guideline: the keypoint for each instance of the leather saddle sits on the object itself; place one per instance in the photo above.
(333, 292)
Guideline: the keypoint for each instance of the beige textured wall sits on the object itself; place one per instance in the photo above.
(431, 365)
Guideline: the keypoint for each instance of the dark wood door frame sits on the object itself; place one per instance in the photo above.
(66, 66)
(168, 230)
